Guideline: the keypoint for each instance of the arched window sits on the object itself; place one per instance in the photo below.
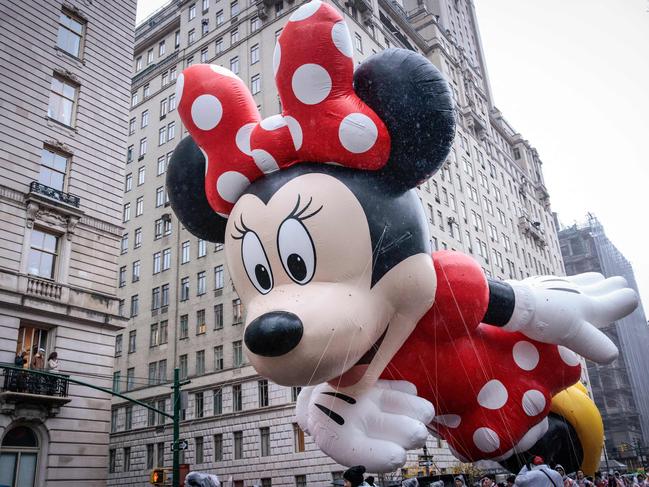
(19, 457)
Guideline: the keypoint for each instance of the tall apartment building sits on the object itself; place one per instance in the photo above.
(621, 389)
(64, 105)
(489, 200)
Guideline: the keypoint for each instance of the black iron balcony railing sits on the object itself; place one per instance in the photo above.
(55, 194)
(26, 382)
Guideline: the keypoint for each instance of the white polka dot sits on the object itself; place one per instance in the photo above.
(357, 133)
(486, 440)
(207, 163)
(533, 435)
(533, 402)
(493, 395)
(223, 71)
(277, 57)
(242, 139)
(180, 84)
(206, 112)
(305, 11)
(311, 84)
(568, 356)
(230, 185)
(341, 38)
(296, 131)
(448, 420)
(273, 122)
(526, 355)
(264, 161)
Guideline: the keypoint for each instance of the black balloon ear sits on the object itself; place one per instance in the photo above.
(186, 190)
(415, 102)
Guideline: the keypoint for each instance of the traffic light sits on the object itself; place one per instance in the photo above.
(158, 476)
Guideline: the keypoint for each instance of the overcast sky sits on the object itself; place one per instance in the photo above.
(572, 76)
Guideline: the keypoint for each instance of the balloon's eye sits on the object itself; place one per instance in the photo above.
(296, 250)
(256, 262)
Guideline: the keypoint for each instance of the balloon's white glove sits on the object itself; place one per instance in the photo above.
(568, 311)
(373, 428)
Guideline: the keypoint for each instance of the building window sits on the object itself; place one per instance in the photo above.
(138, 64)
(138, 240)
(184, 255)
(218, 358)
(146, 91)
(145, 119)
(266, 482)
(204, 55)
(153, 373)
(279, 7)
(200, 283)
(63, 95)
(237, 354)
(139, 206)
(218, 316)
(162, 135)
(122, 276)
(200, 364)
(126, 212)
(135, 271)
(255, 84)
(183, 366)
(234, 8)
(172, 102)
(155, 298)
(162, 165)
(131, 341)
(234, 36)
(130, 378)
(117, 378)
(238, 445)
(184, 326)
(118, 346)
(112, 460)
(149, 56)
(154, 337)
(70, 33)
(161, 48)
(262, 389)
(171, 130)
(237, 403)
(127, 459)
(177, 40)
(202, 248)
(53, 169)
(161, 449)
(298, 438)
(237, 312)
(255, 24)
(300, 481)
(218, 277)
(143, 147)
(218, 447)
(128, 183)
(113, 418)
(129, 154)
(219, 18)
(134, 99)
(166, 259)
(254, 54)
(192, 11)
(264, 436)
(199, 449)
(358, 42)
(206, 5)
(124, 243)
(164, 326)
(295, 391)
(149, 455)
(42, 254)
(191, 37)
(157, 259)
(198, 399)
(159, 196)
(184, 289)
(135, 305)
(201, 327)
(234, 65)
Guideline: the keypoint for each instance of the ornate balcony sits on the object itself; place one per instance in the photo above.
(44, 288)
(26, 394)
(55, 194)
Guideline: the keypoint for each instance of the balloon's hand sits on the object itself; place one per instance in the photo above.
(569, 310)
(374, 428)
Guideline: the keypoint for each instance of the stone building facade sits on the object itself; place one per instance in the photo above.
(64, 103)
(489, 200)
(621, 389)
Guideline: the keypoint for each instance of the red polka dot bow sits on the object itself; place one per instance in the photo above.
(323, 120)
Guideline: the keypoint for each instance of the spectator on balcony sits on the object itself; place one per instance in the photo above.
(38, 362)
(20, 359)
(53, 363)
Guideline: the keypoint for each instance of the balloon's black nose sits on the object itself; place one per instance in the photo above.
(273, 334)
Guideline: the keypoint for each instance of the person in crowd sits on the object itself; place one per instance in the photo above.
(581, 480)
(488, 481)
(642, 480)
(458, 481)
(567, 481)
(511, 481)
(38, 362)
(21, 359)
(53, 362)
(354, 476)
(538, 475)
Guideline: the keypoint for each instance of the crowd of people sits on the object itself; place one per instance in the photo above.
(38, 360)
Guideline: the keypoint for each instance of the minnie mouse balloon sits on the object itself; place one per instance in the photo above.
(329, 249)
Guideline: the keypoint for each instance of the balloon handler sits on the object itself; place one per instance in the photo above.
(328, 247)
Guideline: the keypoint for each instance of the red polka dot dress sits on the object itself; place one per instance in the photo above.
(491, 388)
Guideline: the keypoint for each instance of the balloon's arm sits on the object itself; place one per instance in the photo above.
(501, 305)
